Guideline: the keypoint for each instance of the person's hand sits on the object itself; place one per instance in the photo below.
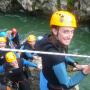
(38, 61)
(36, 57)
(86, 69)
(79, 67)
(39, 66)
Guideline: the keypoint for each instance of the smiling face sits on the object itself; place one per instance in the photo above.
(64, 34)
(2, 45)
(14, 64)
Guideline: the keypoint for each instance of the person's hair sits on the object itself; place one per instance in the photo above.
(56, 27)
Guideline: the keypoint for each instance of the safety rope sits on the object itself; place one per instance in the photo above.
(42, 52)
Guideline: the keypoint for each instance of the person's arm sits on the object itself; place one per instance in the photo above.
(29, 55)
(63, 78)
(11, 42)
(70, 61)
(17, 54)
(29, 64)
(2, 69)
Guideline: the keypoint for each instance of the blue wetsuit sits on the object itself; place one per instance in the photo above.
(55, 67)
(43, 82)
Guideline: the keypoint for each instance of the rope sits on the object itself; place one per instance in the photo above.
(42, 52)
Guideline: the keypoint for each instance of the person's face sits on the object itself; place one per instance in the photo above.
(32, 43)
(14, 64)
(65, 35)
(2, 45)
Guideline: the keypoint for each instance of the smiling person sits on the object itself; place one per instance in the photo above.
(54, 68)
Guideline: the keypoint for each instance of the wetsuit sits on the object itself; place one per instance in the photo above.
(25, 55)
(55, 66)
(16, 40)
(2, 61)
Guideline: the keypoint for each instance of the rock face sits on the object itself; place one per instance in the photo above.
(9, 6)
(81, 7)
(5, 5)
(45, 5)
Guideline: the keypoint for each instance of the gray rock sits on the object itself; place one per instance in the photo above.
(5, 5)
(80, 7)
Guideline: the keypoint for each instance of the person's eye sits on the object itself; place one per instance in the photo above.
(72, 31)
(65, 31)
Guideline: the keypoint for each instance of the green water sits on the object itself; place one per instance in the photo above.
(39, 26)
(81, 45)
(24, 24)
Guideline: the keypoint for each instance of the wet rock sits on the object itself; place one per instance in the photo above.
(5, 5)
(80, 7)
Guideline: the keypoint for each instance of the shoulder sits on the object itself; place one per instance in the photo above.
(43, 44)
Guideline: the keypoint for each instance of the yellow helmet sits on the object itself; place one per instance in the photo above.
(10, 57)
(3, 39)
(63, 18)
(31, 38)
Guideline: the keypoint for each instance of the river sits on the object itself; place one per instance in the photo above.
(39, 26)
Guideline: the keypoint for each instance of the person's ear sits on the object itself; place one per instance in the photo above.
(54, 31)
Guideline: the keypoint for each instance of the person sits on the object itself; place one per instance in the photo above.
(29, 45)
(14, 70)
(3, 41)
(31, 40)
(3, 44)
(13, 37)
(54, 67)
